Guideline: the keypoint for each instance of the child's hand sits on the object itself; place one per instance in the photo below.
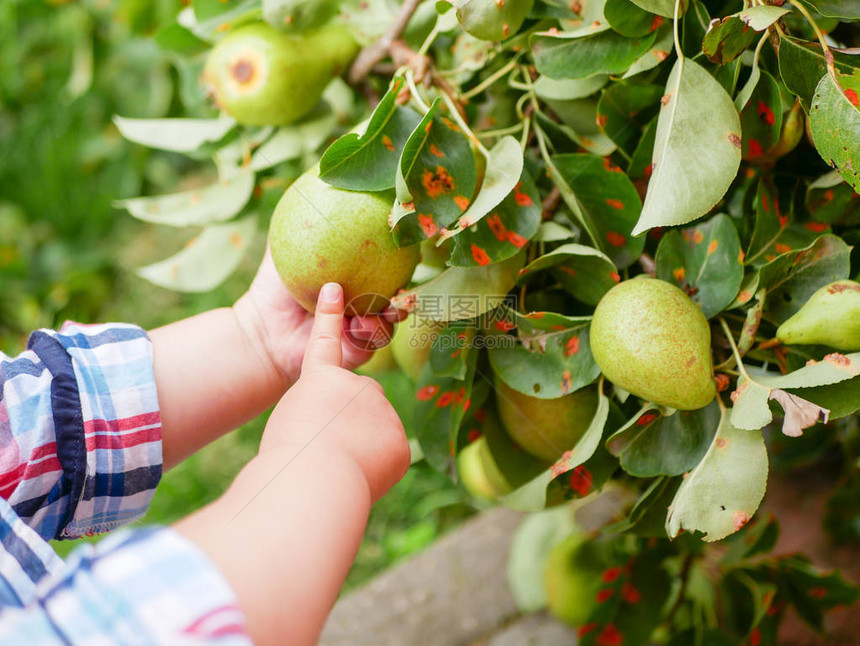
(280, 327)
(332, 410)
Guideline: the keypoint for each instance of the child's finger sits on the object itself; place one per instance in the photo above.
(323, 348)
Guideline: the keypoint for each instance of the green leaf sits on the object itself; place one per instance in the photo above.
(583, 271)
(368, 161)
(460, 292)
(685, 184)
(218, 16)
(206, 261)
(722, 493)
(847, 9)
(640, 161)
(535, 537)
(705, 261)
(793, 277)
(568, 89)
(298, 15)
(174, 37)
(550, 358)
(830, 199)
(668, 445)
(658, 53)
(802, 64)
(561, 57)
(504, 231)
(624, 109)
(176, 135)
(761, 118)
(504, 166)
(663, 7)
(630, 20)
(770, 222)
(834, 121)
(214, 203)
(293, 142)
(607, 200)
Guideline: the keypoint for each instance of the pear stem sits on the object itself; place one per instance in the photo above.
(727, 331)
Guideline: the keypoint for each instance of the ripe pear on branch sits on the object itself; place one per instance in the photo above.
(261, 76)
(546, 428)
(322, 234)
(831, 317)
(652, 340)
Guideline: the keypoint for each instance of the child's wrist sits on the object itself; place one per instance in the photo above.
(250, 323)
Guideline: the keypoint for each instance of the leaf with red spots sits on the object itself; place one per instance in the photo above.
(658, 53)
(591, 183)
(560, 56)
(709, 255)
(504, 168)
(726, 39)
(685, 184)
(761, 119)
(665, 8)
(665, 445)
(802, 65)
(368, 161)
(429, 186)
(633, 601)
(812, 591)
(640, 161)
(451, 348)
(624, 109)
(583, 271)
(723, 492)
(772, 222)
(437, 418)
(505, 230)
(830, 200)
(583, 480)
(542, 353)
(834, 121)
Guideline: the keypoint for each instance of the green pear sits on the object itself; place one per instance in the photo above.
(262, 76)
(480, 473)
(492, 19)
(411, 343)
(321, 234)
(831, 317)
(572, 578)
(546, 428)
(434, 256)
(650, 339)
(381, 361)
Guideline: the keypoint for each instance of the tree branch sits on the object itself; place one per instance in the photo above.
(372, 54)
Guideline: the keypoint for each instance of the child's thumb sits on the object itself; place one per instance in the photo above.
(324, 346)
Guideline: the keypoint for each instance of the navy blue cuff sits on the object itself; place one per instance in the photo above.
(68, 419)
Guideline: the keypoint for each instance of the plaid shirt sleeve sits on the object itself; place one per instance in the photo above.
(80, 432)
(80, 453)
(145, 586)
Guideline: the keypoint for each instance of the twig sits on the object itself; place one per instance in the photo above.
(372, 54)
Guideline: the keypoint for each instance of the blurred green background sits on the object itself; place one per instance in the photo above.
(65, 253)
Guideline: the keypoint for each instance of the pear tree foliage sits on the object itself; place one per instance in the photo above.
(548, 151)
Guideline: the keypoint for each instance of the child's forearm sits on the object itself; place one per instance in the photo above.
(285, 535)
(212, 375)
